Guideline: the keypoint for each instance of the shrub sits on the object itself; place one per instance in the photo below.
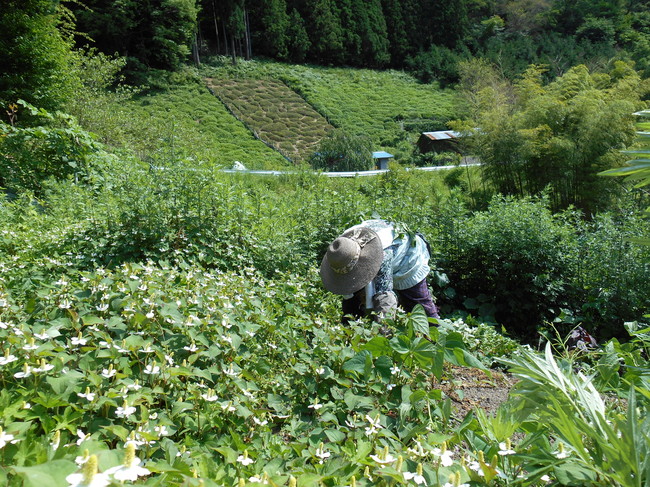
(509, 262)
(58, 148)
(342, 152)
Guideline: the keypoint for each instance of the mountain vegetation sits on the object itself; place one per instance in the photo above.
(162, 320)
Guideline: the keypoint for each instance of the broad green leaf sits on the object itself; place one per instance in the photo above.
(46, 474)
(378, 345)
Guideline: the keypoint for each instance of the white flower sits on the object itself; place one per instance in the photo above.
(226, 338)
(27, 371)
(147, 349)
(102, 307)
(30, 346)
(418, 479)
(210, 396)
(87, 395)
(316, 406)
(191, 348)
(505, 448)
(124, 410)
(321, 453)
(545, 478)
(259, 422)
(320, 370)
(44, 367)
(390, 387)
(108, 373)
(78, 340)
(259, 480)
(230, 371)
(445, 456)
(227, 406)
(418, 451)
(244, 460)
(6, 438)
(130, 470)
(7, 358)
(561, 453)
(152, 369)
(65, 304)
(82, 437)
(383, 461)
(375, 425)
(395, 370)
(78, 480)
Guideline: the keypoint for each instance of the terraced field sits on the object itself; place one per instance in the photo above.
(274, 113)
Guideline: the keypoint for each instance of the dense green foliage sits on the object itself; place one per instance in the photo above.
(428, 38)
(342, 152)
(158, 312)
(531, 135)
(35, 56)
(151, 35)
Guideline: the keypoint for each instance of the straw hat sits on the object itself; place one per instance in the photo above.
(351, 261)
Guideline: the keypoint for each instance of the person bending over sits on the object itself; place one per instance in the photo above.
(375, 267)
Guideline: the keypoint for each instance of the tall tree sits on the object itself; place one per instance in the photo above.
(325, 33)
(34, 57)
(373, 33)
(298, 40)
(150, 34)
(272, 28)
(533, 136)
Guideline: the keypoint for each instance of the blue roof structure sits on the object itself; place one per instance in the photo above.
(381, 155)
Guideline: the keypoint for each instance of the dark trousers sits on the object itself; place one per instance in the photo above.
(407, 299)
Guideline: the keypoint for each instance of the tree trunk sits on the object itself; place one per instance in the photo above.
(249, 52)
(225, 38)
(195, 50)
(216, 27)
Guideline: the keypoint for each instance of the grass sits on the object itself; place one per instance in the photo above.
(372, 103)
(277, 114)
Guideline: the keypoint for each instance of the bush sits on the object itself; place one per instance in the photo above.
(57, 147)
(342, 152)
(510, 263)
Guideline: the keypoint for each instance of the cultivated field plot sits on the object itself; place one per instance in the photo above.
(378, 104)
(275, 113)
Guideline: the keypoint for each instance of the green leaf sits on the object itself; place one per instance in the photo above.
(419, 320)
(361, 363)
(378, 345)
(49, 473)
(335, 436)
(571, 473)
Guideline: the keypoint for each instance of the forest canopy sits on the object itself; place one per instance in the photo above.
(428, 38)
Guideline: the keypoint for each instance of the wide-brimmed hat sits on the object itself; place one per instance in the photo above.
(351, 261)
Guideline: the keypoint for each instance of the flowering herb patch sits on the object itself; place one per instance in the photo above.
(184, 376)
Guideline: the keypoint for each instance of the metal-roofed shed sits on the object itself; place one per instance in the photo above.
(440, 141)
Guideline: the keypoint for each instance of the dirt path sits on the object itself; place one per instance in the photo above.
(472, 388)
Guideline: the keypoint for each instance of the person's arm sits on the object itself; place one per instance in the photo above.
(384, 300)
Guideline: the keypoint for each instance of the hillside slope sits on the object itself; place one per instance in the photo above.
(274, 113)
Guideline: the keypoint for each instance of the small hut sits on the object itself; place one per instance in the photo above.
(381, 159)
(442, 141)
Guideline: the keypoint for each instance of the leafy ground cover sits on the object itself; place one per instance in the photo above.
(379, 104)
(275, 113)
(164, 324)
(182, 121)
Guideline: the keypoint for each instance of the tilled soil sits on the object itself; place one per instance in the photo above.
(471, 388)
